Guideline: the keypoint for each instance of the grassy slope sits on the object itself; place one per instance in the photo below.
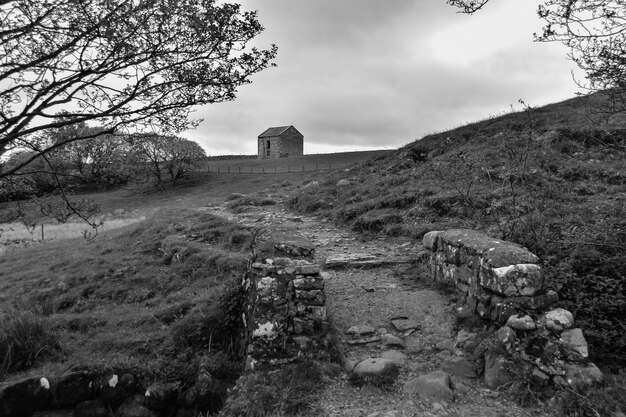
(144, 297)
(561, 195)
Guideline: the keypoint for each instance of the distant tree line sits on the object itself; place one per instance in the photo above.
(101, 161)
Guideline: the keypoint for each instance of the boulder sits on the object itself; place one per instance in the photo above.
(446, 344)
(506, 336)
(466, 340)
(458, 366)
(558, 319)
(405, 324)
(496, 372)
(432, 387)
(24, 397)
(575, 340)
(582, 375)
(519, 322)
(343, 183)
(376, 370)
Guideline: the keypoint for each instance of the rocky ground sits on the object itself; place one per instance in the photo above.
(403, 353)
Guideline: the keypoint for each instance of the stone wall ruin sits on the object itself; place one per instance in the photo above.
(503, 282)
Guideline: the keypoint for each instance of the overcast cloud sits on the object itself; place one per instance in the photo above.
(374, 74)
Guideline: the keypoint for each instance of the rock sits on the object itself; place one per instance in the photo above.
(364, 340)
(350, 365)
(23, 397)
(161, 395)
(513, 280)
(360, 330)
(582, 375)
(394, 355)
(405, 324)
(446, 344)
(381, 331)
(458, 366)
(521, 322)
(506, 336)
(414, 344)
(391, 340)
(95, 408)
(465, 339)
(377, 369)
(116, 389)
(311, 184)
(496, 373)
(575, 340)
(343, 183)
(461, 388)
(558, 319)
(135, 407)
(74, 388)
(539, 379)
(433, 387)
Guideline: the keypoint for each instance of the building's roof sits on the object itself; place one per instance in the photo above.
(274, 131)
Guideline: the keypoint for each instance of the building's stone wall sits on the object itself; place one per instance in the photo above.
(289, 143)
(503, 282)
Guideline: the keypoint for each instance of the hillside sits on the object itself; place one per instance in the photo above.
(548, 178)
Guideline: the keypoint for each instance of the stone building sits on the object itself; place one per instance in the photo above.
(280, 142)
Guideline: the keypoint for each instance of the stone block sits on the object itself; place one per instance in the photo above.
(312, 269)
(512, 280)
(430, 240)
(496, 371)
(312, 297)
(453, 254)
(558, 319)
(500, 311)
(308, 283)
(575, 340)
(495, 252)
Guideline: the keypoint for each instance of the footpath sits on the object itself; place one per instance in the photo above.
(385, 309)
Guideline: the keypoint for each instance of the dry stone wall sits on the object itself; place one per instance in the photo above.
(285, 314)
(503, 282)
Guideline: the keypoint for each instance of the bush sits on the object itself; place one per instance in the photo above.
(24, 337)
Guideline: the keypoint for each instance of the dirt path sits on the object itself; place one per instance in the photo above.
(369, 283)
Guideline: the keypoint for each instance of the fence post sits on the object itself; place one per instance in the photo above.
(42, 231)
(264, 170)
(208, 168)
(240, 170)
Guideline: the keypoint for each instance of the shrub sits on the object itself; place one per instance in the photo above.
(24, 338)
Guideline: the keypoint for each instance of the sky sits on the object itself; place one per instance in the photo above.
(378, 74)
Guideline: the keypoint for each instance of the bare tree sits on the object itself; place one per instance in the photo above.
(125, 65)
(593, 30)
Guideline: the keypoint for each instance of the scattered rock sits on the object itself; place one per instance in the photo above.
(558, 319)
(394, 355)
(361, 330)
(391, 340)
(496, 373)
(433, 387)
(377, 369)
(312, 184)
(574, 339)
(405, 324)
(343, 183)
(521, 322)
(458, 366)
(446, 344)
(582, 375)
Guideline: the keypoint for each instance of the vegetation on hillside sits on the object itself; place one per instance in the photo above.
(545, 178)
(161, 297)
